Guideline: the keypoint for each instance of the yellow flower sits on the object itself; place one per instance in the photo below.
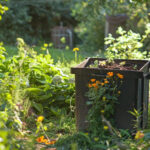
(120, 76)
(139, 135)
(40, 119)
(105, 127)
(110, 74)
(93, 80)
(102, 111)
(96, 139)
(45, 45)
(103, 98)
(86, 133)
(76, 49)
(119, 92)
(43, 48)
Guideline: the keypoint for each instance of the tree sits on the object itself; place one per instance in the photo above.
(3, 8)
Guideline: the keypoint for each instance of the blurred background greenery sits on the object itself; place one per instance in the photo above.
(34, 20)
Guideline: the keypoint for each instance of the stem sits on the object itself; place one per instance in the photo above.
(111, 129)
(44, 132)
(75, 56)
(47, 51)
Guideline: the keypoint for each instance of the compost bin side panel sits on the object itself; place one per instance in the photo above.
(126, 102)
(145, 101)
(80, 103)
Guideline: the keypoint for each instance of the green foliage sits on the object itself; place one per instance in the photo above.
(126, 45)
(42, 82)
(137, 115)
(103, 96)
(30, 82)
(33, 20)
(78, 140)
(91, 16)
(3, 9)
(91, 24)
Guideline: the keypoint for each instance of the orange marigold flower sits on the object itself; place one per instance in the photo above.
(89, 85)
(96, 87)
(102, 84)
(110, 74)
(50, 142)
(139, 135)
(98, 82)
(106, 81)
(40, 119)
(120, 76)
(45, 140)
(94, 84)
(40, 139)
(93, 80)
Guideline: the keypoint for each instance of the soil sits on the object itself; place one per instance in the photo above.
(119, 65)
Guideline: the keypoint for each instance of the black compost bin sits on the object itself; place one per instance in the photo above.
(134, 92)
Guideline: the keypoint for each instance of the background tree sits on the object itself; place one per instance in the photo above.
(33, 20)
(91, 16)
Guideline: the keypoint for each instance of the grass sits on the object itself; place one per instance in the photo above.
(64, 59)
(57, 54)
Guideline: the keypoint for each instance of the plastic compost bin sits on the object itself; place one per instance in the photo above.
(134, 92)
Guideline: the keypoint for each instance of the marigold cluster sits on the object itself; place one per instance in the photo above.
(139, 135)
(110, 74)
(120, 76)
(95, 83)
(46, 141)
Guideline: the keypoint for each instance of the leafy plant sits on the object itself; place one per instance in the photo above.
(102, 97)
(126, 45)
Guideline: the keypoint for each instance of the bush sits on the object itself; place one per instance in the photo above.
(44, 84)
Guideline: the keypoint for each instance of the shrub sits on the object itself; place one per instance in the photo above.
(127, 45)
(45, 85)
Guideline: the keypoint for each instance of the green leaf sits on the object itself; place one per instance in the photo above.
(37, 106)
